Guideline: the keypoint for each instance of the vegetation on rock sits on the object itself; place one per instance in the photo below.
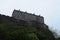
(10, 29)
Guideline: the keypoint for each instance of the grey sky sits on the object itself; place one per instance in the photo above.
(50, 9)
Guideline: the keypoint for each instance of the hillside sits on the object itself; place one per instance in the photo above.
(13, 29)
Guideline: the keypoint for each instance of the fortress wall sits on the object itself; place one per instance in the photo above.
(27, 16)
(18, 15)
(30, 17)
(40, 19)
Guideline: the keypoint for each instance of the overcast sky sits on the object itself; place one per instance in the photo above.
(49, 9)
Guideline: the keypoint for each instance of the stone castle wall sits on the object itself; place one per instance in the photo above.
(27, 16)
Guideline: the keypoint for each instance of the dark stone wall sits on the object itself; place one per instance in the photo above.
(20, 15)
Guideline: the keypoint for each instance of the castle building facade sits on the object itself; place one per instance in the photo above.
(20, 15)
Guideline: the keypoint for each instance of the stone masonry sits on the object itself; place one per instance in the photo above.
(20, 15)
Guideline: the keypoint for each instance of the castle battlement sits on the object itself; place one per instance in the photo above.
(20, 15)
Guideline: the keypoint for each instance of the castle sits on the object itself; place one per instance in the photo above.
(17, 14)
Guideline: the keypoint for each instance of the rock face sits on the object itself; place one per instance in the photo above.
(27, 16)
